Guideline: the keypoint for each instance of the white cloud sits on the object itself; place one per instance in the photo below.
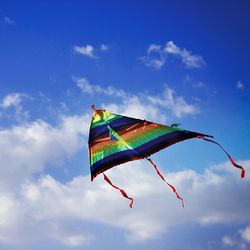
(35, 207)
(209, 199)
(157, 56)
(238, 240)
(240, 85)
(87, 51)
(8, 210)
(142, 105)
(199, 85)
(91, 89)
(8, 21)
(14, 100)
(154, 48)
(155, 63)
(75, 240)
(134, 106)
(86, 87)
(30, 147)
(25, 151)
(245, 234)
(190, 60)
(232, 242)
(228, 241)
(104, 47)
(177, 104)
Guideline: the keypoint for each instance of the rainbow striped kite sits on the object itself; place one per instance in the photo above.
(116, 139)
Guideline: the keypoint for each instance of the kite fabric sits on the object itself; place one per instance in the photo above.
(115, 139)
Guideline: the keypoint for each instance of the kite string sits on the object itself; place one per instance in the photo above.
(121, 190)
(228, 155)
(172, 187)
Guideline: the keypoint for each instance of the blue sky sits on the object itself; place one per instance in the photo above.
(165, 61)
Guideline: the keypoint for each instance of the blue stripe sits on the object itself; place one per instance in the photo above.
(116, 124)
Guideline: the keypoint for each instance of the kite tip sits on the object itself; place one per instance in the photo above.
(202, 136)
(93, 107)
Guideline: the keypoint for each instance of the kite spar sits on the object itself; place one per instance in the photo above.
(115, 139)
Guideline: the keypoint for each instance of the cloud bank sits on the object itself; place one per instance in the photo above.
(37, 207)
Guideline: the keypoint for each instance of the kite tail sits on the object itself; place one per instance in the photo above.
(172, 187)
(121, 190)
(228, 155)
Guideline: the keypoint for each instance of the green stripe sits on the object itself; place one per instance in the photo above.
(104, 119)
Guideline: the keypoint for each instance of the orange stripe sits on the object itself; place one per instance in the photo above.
(121, 132)
(125, 135)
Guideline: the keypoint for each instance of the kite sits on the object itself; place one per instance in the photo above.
(115, 139)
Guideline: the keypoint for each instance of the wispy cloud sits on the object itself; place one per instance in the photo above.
(104, 47)
(188, 58)
(240, 85)
(8, 21)
(230, 242)
(157, 56)
(14, 100)
(238, 240)
(136, 106)
(199, 85)
(245, 234)
(88, 88)
(87, 51)
(75, 240)
(155, 63)
(177, 104)
(139, 104)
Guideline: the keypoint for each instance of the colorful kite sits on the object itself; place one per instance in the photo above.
(116, 139)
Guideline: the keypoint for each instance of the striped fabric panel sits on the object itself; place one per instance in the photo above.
(133, 139)
(116, 139)
(140, 152)
(117, 124)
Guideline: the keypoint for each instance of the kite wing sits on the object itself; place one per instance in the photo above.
(116, 139)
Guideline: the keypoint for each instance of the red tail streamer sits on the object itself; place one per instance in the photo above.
(121, 190)
(172, 187)
(228, 155)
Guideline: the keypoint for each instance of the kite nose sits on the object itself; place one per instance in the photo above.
(93, 107)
